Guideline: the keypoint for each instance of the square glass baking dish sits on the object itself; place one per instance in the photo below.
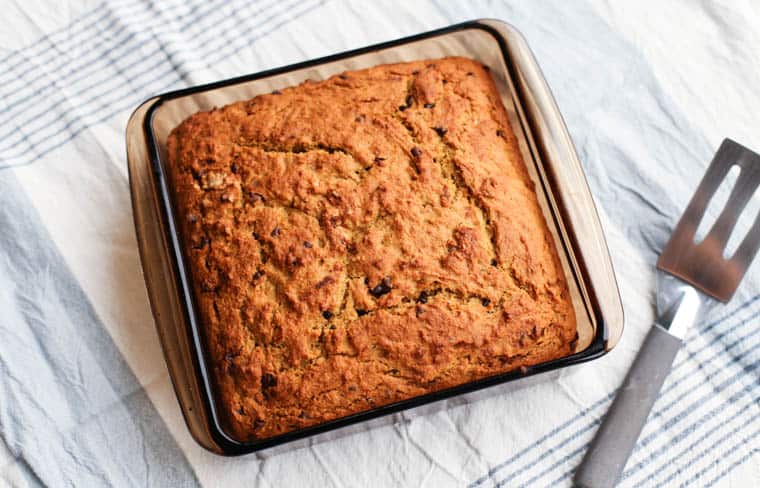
(546, 148)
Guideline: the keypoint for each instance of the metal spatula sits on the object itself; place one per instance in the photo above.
(684, 267)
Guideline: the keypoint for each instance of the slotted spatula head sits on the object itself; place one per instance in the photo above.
(702, 264)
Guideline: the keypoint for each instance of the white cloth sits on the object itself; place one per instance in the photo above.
(648, 91)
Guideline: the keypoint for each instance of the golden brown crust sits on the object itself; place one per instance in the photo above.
(362, 240)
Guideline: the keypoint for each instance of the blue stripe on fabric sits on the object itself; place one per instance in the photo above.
(87, 65)
(692, 355)
(31, 63)
(121, 44)
(74, 133)
(600, 402)
(48, 37)
(130, 103)
(550, 451)
(700, 366)
(736, 463)
(711, 447)
(582, 448)
(111, 89)
(670, 387)
(688, 409)
(72, 38)
(576, 452)
(541, 440)
(129, 80)
(565, 475)
(665, 428)
(125, 83)
(708, 376)
(171, 70)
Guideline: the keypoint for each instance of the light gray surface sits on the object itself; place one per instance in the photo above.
(648, 90)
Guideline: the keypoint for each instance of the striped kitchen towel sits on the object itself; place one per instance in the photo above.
(85, 399)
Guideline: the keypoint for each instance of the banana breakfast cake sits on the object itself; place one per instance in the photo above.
(362, 240)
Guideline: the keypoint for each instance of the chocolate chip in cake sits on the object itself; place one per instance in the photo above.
(343, 76)
(361, 312)
(268, 380)
(324, 282)
(429, 105)
(416, 72)
(441, 131)
(258, 424)
(470, 73)
(360, 118)
(534, 333)
(275, 232)
(494, 263)
(366, 280)
(327, 314)
(500, 133)
(418, 310)
(379, 159)
(276, 92)
(332, 326)
(382, 289)
(402, 108)
(409, 100)
(234, 168)
(258, 274)
(486, 302)
(202, 242)
(423, 297)
(307, 244)
(416, 152)
(351, 248)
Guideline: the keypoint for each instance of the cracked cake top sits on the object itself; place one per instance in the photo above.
(362, 240)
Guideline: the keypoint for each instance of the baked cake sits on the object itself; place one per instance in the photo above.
(362, 240)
